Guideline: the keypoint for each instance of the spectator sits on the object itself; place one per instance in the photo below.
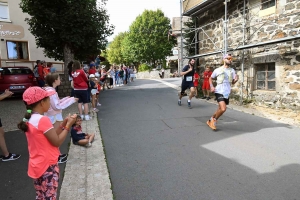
(46, 68)
(117, 76)
(97, 61)
(93, 92)
(112, 73)
(162, 74)
(121, 75)
(41, 77)
(205, 86)
(196, 82)
(80, 83)
(132, 74)
(80, 138)
(43, 141)
(92, 69)
(6, 155)
(52, 69)
(56, 106)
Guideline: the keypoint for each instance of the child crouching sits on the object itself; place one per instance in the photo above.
(80, 138)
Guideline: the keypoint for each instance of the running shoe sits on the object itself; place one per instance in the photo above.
(212, 123)
(208, 98)
(203, 97)
(10, 157)
(189, 104)
(179, 102)
(98, 104)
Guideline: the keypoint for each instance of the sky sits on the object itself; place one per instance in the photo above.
(123, 12)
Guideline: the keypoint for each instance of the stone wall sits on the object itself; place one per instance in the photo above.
(152, 74)
(273, 23)
(65, 88)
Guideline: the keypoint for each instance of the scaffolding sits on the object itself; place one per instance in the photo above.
(251, 24)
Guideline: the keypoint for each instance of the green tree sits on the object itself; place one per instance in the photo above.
(68, 29)
(147, 39)
(189, 37)
(114, 51)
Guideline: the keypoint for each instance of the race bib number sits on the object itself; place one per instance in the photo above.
(189, 78)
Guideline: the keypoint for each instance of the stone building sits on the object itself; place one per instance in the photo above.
(264, 38)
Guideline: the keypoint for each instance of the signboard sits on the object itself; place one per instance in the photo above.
(175, 52)
(11, 31)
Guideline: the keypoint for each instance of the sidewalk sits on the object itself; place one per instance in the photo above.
(86, 175)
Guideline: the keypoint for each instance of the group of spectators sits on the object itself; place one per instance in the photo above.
(41, 69)
(88, 80)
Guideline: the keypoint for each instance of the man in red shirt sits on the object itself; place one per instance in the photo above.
(205, 86)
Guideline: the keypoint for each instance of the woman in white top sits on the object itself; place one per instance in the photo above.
(112, 73)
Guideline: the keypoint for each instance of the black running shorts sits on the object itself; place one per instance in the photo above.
(220, 97)
(185, 85)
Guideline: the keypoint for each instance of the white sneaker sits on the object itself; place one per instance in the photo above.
(87, 117)
(88, 144)
(98, 104)
(81, 116)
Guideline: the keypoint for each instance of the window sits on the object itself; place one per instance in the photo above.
(267, 4)
(4, 15)
(265, 76)
(17, 50)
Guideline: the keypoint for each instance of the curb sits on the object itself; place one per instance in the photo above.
(86, 174)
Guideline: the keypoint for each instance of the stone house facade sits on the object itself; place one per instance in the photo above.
(264, 38)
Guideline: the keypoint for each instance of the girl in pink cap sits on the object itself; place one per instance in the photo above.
(43, 141)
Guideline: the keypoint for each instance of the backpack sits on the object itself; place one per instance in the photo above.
(35, 71)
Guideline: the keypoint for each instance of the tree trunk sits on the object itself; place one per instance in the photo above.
(65, 88)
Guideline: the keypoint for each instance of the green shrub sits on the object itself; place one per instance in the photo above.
(144, 67)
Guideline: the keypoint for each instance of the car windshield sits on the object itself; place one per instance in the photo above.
(15, 70)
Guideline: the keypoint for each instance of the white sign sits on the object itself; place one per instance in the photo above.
(11, 31)
(175, 52)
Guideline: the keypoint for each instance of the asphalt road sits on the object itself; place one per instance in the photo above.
(158, 150)
(14, 181)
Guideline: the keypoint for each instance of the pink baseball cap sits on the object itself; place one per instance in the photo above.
(35, 94)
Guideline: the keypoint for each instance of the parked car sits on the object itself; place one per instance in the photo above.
(16, 79)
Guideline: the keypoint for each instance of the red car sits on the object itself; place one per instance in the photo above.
(16, 79)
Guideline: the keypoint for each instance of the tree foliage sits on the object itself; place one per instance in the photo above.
(147, 39)
(189, 37)
(114, 51)
(78, 27)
